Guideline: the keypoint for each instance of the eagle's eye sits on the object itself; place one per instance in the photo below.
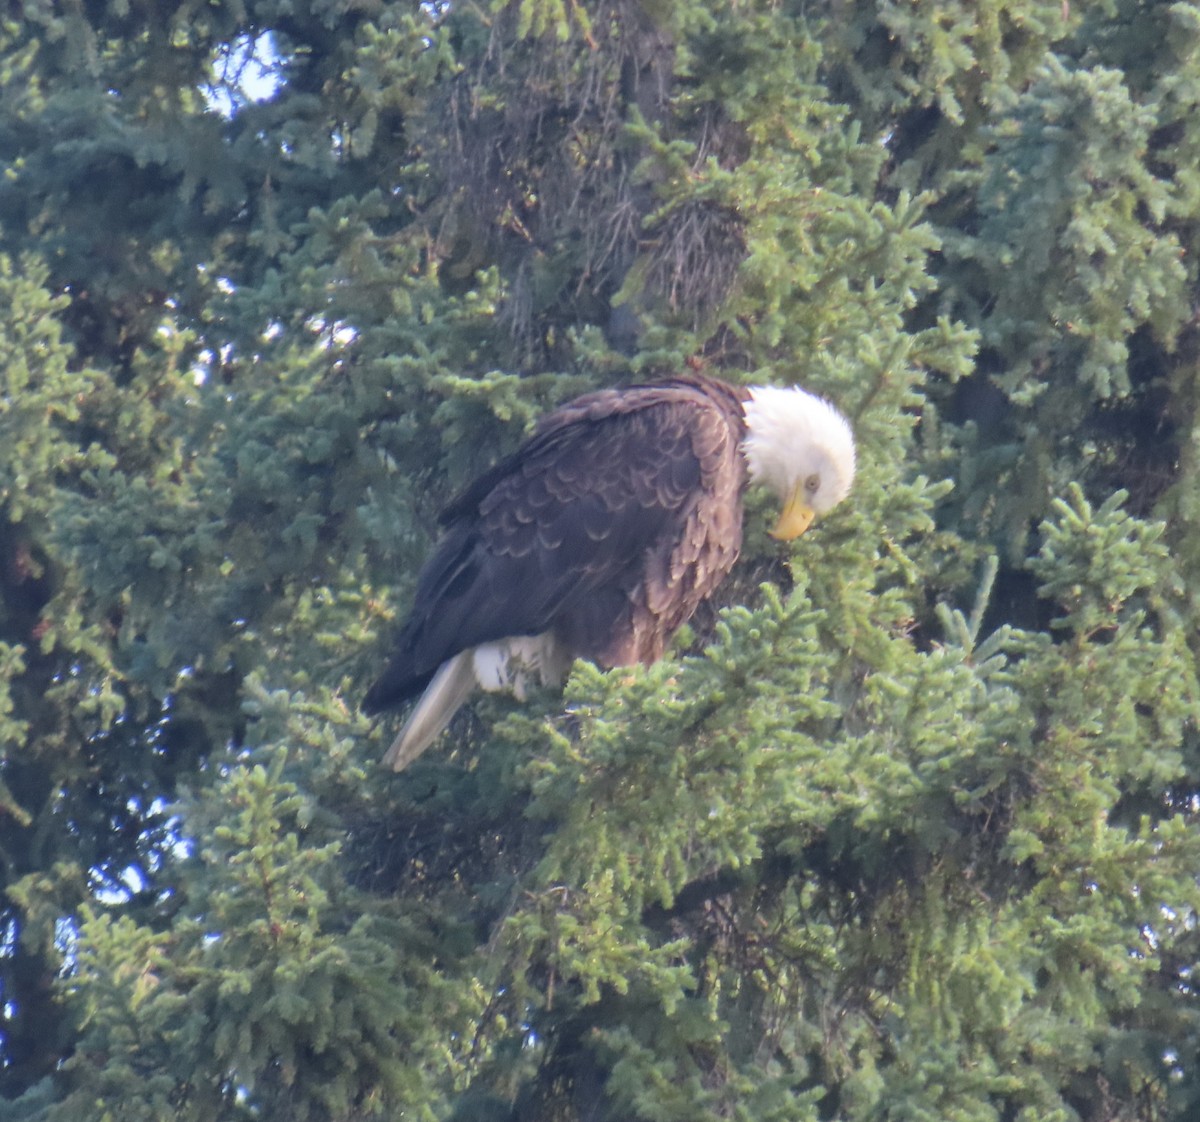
(812, 483)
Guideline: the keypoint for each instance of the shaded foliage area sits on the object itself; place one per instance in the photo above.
(906, 830)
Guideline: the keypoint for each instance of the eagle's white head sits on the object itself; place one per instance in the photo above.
(802, 447)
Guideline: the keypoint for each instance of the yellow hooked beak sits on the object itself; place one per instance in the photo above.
(796, 517)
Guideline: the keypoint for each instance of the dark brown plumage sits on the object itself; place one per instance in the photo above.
(607, 528)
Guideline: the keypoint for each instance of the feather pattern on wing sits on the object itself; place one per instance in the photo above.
(606, 529)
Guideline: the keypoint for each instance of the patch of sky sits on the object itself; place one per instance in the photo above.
(246, 70)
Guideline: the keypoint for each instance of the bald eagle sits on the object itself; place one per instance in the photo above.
(601, 536)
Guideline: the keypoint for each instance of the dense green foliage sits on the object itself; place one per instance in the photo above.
(907, 832)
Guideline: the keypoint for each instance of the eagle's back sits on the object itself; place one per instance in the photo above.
(608, 527)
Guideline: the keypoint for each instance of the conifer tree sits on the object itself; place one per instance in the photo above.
(903, 828)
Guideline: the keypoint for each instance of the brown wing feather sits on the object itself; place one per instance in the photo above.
(609, 526)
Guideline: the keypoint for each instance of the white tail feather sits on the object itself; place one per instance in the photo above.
(447, 690)
(505, 665)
